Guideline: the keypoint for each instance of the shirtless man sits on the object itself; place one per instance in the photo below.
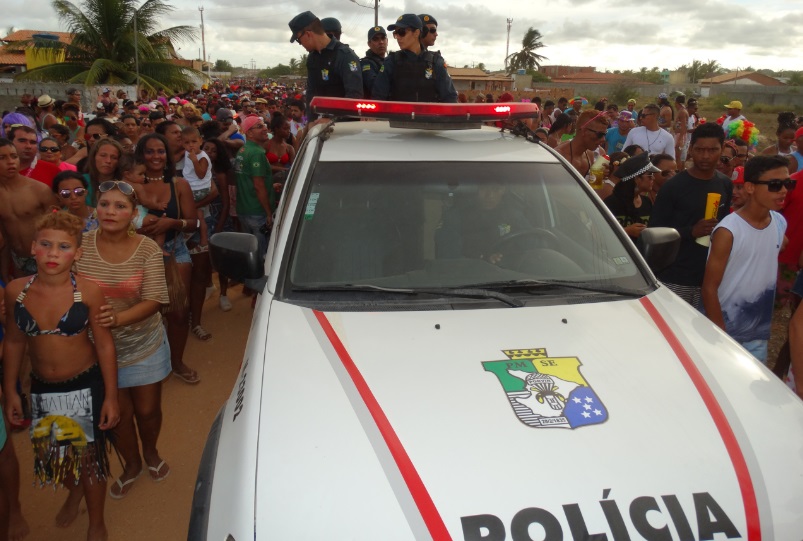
(22, 201)
(681, 129)
(592, 127)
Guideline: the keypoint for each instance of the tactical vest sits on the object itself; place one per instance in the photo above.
(413, 79)
(327, 82)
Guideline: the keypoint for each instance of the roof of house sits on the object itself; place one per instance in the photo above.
(8, 58)
(474, 74)
(592, 77)
(734, 76)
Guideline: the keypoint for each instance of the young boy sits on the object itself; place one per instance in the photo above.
(198, 172)
(740, 275)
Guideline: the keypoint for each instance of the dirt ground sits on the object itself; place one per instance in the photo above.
(158, 511)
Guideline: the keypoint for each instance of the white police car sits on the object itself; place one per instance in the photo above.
(457, 341)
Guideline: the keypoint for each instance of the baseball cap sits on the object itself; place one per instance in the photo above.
(663, 96)
(625, 116)
(106, 90)
(223, 114)
(408, 20)
(250, 121)
(173, 101)
(331, 25)
(300, 22)
(735, 104)
(428, 19)
(631, 100)
(376, 30)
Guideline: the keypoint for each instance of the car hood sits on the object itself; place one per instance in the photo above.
(629, 418)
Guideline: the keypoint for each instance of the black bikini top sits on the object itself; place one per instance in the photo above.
(73, 322)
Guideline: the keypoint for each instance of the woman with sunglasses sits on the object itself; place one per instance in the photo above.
(175, 208)
(726, 160)
(130, 271)
(50, 151)
(72, 115)
(412, 74)
(61, 134)
(71, 189)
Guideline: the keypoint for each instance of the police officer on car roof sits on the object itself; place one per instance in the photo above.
(413, 74)
(333, 69)
(332, 27)
(429, 35)
(374, 57)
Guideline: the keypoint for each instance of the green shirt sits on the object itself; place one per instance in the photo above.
(251, 162)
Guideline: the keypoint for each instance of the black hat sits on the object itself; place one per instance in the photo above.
(635, 166)
(408, 20)
(428, 19)
(300, 22)
(331, 25)
(374, 31)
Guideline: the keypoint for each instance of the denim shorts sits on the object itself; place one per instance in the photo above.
(182, 254)
(151, 369)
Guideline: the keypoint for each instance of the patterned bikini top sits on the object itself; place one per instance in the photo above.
(73, 322)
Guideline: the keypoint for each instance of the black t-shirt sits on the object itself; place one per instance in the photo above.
(681, 204)
(628, 214)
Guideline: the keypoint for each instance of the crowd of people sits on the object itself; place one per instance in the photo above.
(106, 216)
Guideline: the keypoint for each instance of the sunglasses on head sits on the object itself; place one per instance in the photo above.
(66, 194)
(121, 185)
(95, 136)
(776, 184)
(49, 149)
(725, 159)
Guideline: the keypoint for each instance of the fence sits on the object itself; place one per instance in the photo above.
(10, 93)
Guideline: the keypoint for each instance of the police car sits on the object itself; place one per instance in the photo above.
(456, 341)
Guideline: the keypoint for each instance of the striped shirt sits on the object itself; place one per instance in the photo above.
(141, 277)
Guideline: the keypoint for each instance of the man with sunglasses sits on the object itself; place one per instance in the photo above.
(742, 267)
(333, 69)
(374, 57)
(27, 146)
(429, 32)
(413, 74)
(649, 136)
(579, 151)
(681, 204)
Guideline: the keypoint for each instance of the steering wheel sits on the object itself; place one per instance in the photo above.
(520, 241)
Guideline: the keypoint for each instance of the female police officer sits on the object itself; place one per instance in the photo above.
(412, 74)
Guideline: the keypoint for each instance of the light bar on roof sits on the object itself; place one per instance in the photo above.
(422, 112)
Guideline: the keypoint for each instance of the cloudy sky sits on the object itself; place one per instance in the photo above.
(608, 34)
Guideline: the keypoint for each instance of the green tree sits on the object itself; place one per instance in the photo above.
(796, 78)
(293, 65)
(481, 66)
(302, 64)
(102, 50)
(223, 65)
(527, 58)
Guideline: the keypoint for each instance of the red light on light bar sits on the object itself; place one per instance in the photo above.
(422, 111)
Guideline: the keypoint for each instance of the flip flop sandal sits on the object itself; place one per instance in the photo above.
(154, 472)
(190, 377)
(121, 487)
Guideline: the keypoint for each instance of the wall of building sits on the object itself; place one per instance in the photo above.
(10, 93)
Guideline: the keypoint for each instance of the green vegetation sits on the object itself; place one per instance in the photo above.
(103, 46)
(527, 58)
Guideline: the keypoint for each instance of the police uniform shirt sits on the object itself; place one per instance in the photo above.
(327, 72)
(371, 64)
(384, 84)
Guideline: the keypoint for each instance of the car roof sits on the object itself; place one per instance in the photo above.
(377, 141)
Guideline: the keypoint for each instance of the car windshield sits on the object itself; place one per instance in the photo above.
(416, 225)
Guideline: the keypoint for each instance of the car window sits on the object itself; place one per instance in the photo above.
(425, 224)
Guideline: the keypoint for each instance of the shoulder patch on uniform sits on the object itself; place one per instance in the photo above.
(353, 65)
(366, 67)
(382, 69)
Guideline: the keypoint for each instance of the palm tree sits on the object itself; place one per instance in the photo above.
(102, 50)
(527, 58)
(293, 65)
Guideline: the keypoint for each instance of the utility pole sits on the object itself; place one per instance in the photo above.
(507, 47)
(136, 49)
(376, 12)
(203, 37)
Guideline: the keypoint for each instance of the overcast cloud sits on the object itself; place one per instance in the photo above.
(612, 34)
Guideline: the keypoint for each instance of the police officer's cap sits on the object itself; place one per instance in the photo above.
(428, 19)
(331, 25)
(635, 166)
(300, 22)
(376, 30)
(408, 20)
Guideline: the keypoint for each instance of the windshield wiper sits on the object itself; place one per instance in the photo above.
(585, 286)
(469, 293)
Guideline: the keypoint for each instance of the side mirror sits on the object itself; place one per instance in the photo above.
(659, 246)
(236, 256)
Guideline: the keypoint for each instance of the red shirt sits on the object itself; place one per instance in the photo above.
(793, 212)
(43, 171)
